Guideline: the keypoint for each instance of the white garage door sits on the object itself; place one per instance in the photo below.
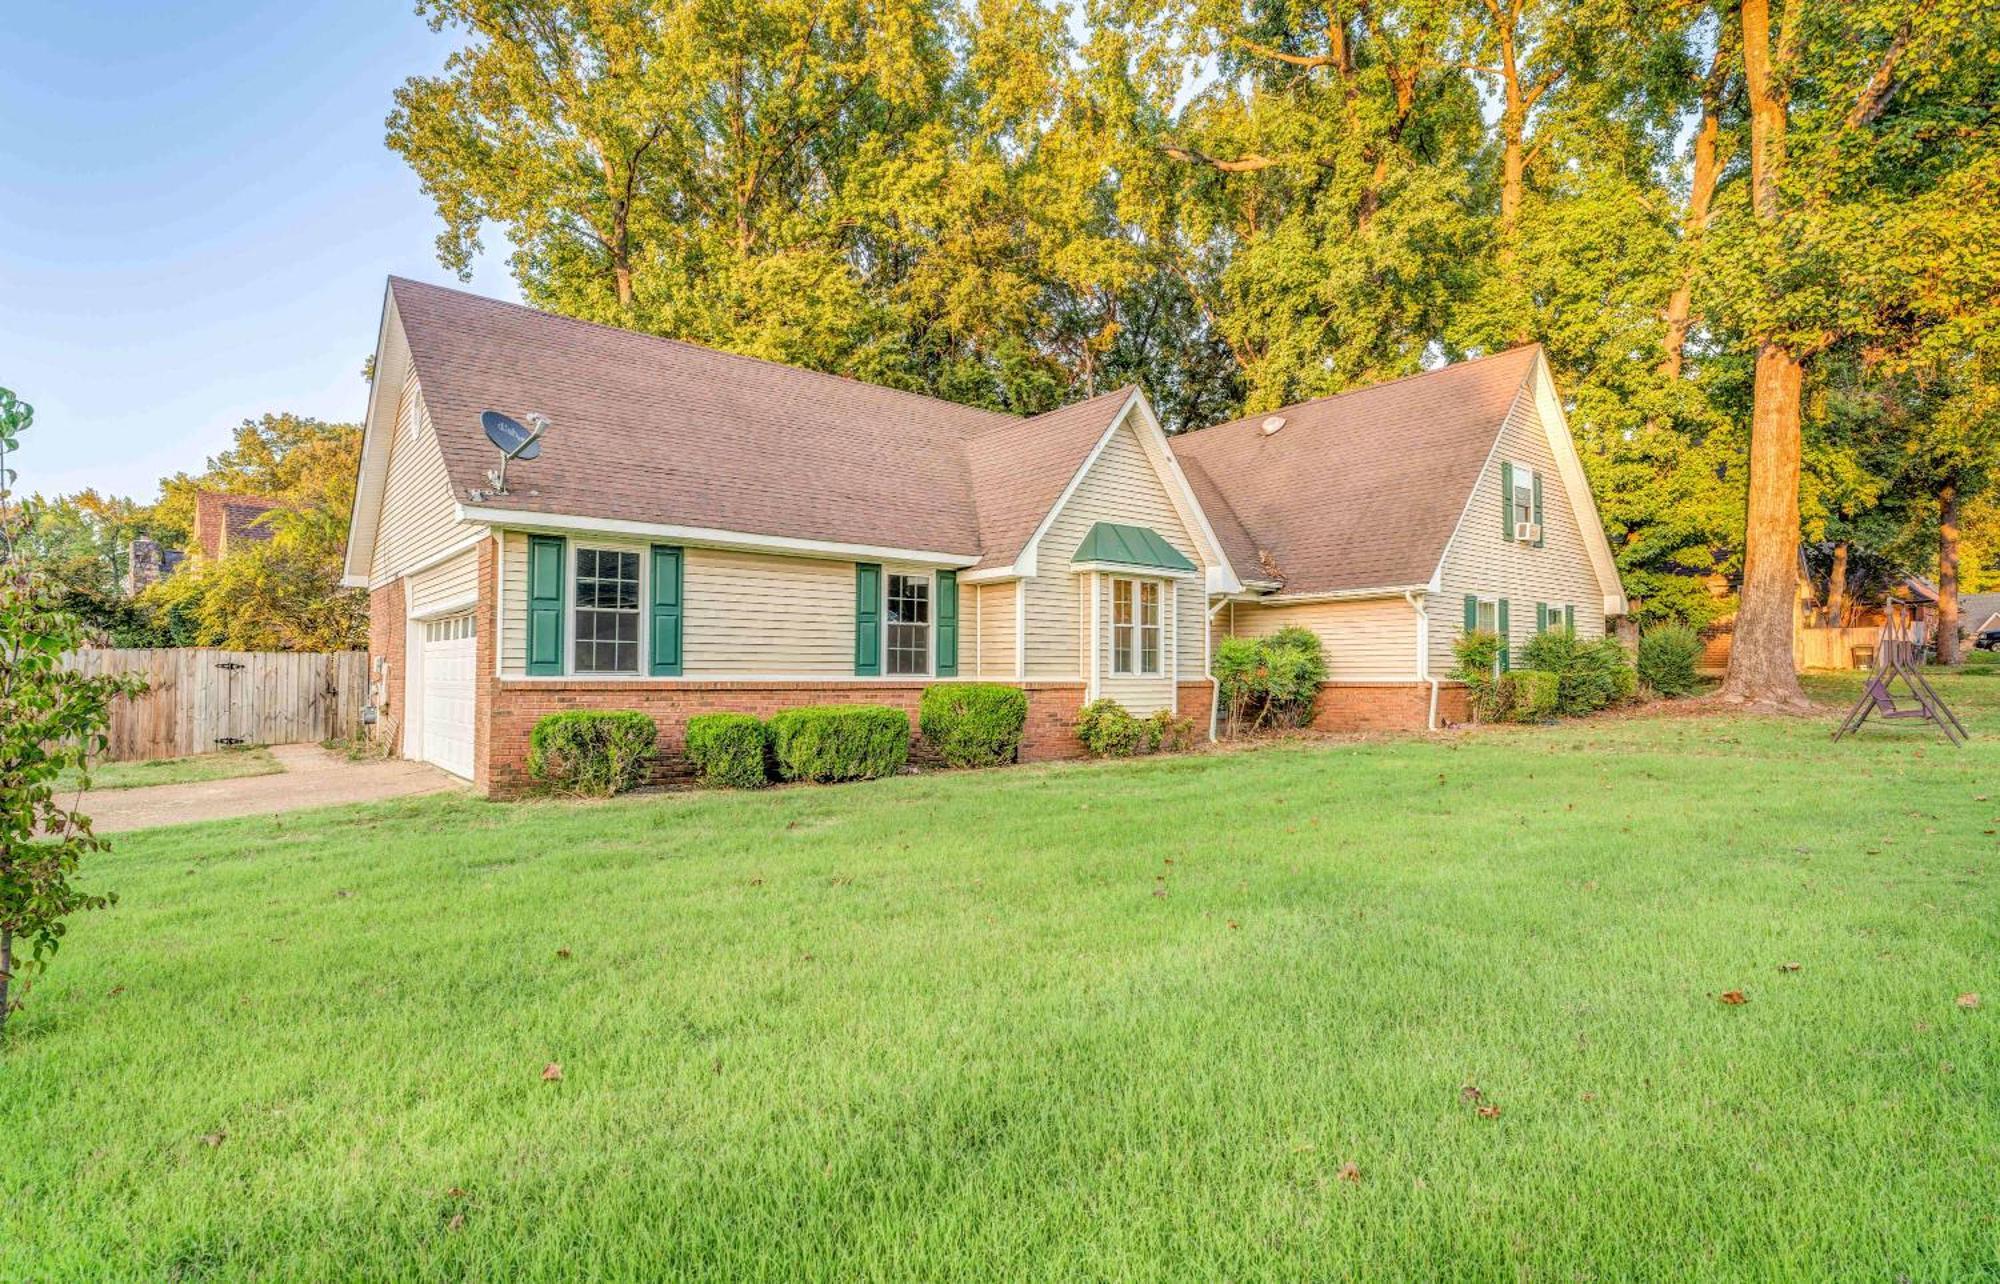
(447, 671)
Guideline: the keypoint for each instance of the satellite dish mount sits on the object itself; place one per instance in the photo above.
(513, 441)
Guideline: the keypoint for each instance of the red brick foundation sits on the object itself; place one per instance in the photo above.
(387, 634)
(1401, 706)
(514, 705)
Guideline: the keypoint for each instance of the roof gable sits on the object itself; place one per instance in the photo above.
(1362, 490)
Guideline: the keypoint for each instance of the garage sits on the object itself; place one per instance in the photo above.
(445, 669)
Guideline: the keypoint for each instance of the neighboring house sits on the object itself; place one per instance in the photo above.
(1978, 612)
(222, 520)
(703, 531)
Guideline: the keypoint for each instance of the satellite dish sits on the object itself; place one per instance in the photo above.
(514, 441)
(1272, 424)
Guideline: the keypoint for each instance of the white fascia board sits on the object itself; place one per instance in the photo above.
(991, 575)
(436, 610)
(709, 537)
(377, 436)
(1123, 571)
(1338, 595)
(1555, 426)
(438, 558)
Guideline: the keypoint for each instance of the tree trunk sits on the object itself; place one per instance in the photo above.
(1836, 588)
(1701, 196)
(1763, 661)
(1947, 612)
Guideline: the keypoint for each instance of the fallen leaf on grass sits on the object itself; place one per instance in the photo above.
(552, 1072)
(1968, 1001)
(1788, 967)
(213, 1139)
(457, 1222)
(1350, 1171)
(563, 953)
(1489, 1112)
(116, 990)
(1734, 998)
(1470, 1092)
(456, 1192)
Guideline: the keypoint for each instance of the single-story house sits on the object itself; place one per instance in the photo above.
(702, 531)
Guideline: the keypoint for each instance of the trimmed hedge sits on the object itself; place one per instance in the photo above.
(729, 750)
(1108, 730)
(974, 724)
(1529, 695)
(825, 743)
(1668, 654)
(1592, 675)
(592, 753)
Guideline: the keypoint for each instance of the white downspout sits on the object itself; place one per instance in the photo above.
(1416, 601)
(1214, 683)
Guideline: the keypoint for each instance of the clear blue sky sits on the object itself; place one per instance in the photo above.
(196, 216)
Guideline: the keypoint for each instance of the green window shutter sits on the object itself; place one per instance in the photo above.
(1506, 501)
(666, 621)
(1569, 619)
(1506, 640)
(867, 619)
(947, 624)
(1471, 613)
(546, 555)
(1541, 617)
(1538, 510)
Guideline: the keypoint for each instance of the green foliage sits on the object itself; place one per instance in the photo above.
(1591, 675)
(51, 720)
(826, 743)
(973, 724)
(729, 750)
(1108, 730)
(1477, 655)
(1527, 695)
(1270, 681)
(592, 753)
(1167, 732)
(1668, 654)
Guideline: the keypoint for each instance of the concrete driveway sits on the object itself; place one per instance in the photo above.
(312, 778)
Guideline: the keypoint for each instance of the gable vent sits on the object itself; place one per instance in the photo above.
(1272, 424)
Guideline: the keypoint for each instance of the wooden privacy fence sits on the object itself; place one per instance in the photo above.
(199, 700)
(1836, 648)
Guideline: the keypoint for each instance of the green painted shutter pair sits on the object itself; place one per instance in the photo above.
(1548, 616)
(547, 557)
(1507, 502)
(868, 621)
(1500, 616)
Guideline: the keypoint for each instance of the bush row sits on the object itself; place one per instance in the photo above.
(595, 753)
(1560, 675)
(1109, 730)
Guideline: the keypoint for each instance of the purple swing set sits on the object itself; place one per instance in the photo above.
(1899, 655)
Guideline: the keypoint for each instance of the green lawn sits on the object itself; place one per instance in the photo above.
(1118, 1021)
(253, 760)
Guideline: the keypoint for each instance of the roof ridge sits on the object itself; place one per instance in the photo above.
(1124, 393)
(1369, 387)
(690, 345)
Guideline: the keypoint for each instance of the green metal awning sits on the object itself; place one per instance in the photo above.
(1139, 547)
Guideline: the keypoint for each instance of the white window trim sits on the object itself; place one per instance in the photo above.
(1138, 645)
(569, 625)
(1523, 473)
(930, 627)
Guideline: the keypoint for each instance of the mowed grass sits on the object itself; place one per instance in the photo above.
(1125, 1021)
(229, 764)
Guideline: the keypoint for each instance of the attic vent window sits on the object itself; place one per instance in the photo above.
(1272, 424)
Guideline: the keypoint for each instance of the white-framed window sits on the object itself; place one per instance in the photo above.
(907, 639)
(605, 611)
(1489, 612)
(1524, 495)
(452, 629)
(1135, 627)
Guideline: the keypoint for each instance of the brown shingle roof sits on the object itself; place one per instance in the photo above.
(654, 430)
(220, 518)
(1019, 469)
(1356, 491)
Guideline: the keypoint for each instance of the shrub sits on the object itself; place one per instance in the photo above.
(1591, 675)
(1667, 657)
(1107, 730)
(1529, 695)
(825, 743)
(1270, 681)
(1168, 733)
(974, 724)
(729, 750)
(1478, 656)
(592, 753)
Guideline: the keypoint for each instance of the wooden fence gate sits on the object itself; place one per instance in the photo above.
(199, 700)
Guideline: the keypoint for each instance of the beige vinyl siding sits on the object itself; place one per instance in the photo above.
(419, 517)
(449, 581)
(1191, 624)
(1482, 561)
(991, 630)
(1141, 694)
(1121, 486)
(754, 614)
(513, 602)
(1371, 640)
